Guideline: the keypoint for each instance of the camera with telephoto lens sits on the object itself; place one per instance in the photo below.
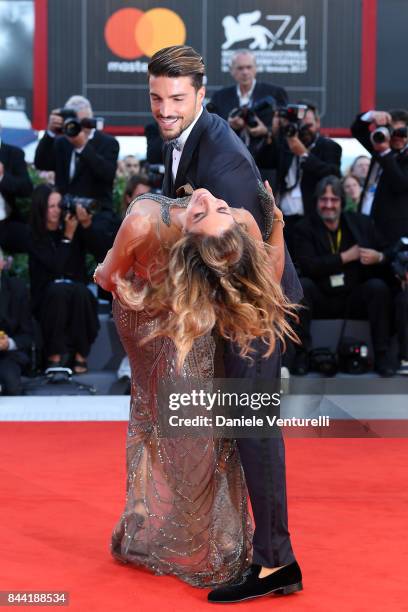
(73, 126)
(386, 132)
(399, 258)
(70, 202)
(248, 113)
(294, 114)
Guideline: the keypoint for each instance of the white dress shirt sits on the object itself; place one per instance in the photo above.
(181, 141)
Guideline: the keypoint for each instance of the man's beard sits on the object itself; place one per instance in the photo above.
(168, 139)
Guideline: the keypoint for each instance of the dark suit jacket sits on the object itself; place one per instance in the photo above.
(96, 169)
(316, 259)
(16, 181)
(324, 159)
(215, 158)
(390, 205)
(15, 317)
(226, 99)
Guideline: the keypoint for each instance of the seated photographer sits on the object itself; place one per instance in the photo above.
(62, 303)
(15, 331)
(84, 160)
(385, 192)
(235, 103)
(14, 183)
(342, 263)
(301, 157)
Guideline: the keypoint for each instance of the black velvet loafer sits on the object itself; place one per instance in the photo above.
(284, 581)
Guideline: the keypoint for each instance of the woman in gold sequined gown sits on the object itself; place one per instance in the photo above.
(186, 507)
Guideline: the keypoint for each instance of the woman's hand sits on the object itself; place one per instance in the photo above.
(277, 213)
(71, 224)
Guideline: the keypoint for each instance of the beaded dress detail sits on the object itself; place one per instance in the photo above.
(186, 509)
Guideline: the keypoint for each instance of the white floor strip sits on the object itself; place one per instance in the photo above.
(65, 408)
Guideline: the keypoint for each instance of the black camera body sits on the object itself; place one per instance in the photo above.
(353, 356)
(323, 361)
(386, 132)
(294, 114)
(248, 113)
(70, 202)
(399, 258)
(72, 125)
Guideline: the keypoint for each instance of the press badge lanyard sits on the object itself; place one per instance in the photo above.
(336, 280)
(335, 249)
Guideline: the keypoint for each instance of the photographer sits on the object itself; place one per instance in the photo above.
(84, 160)
(301, 157)
(342, 262)
(14, 183)
(62, 303)
(15, 331)
(233, 103)
(385, 192)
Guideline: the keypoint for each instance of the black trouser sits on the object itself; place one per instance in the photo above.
(401, 322)
(371, 300)
(10, 374)
(263, 462)
(14, 236)
(68, 319)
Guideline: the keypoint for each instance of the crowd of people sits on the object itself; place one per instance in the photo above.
(344, 233)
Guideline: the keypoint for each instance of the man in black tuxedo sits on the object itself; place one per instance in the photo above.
(14, 183)
(246, 92)
(385, 193)
(300, 161)
(84, 165)
(203, 151)
(15, 331)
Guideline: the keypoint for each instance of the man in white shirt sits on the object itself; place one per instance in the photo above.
(246, 92)
(385, 193)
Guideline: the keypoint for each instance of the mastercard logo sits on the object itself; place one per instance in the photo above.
(131, 33)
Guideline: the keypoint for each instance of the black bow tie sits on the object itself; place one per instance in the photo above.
(176, 144)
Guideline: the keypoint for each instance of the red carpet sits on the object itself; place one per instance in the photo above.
(62, 488)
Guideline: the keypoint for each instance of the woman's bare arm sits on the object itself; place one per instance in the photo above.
(275, 240)
(121, 257)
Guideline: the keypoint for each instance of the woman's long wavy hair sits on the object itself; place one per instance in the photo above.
(223, 282)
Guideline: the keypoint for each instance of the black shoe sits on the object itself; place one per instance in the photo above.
(300, 364)
(383, 365)
(284, 581)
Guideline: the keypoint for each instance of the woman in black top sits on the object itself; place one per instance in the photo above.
(62, 303)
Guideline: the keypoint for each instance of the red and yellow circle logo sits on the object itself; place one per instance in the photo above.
(131, 33)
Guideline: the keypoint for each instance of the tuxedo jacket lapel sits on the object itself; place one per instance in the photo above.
(188, 152)
(168, 176)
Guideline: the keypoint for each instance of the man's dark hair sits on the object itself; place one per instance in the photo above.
(311, 106)
(136, 180)
(177, 61)
(399, 114)
(330, 181)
